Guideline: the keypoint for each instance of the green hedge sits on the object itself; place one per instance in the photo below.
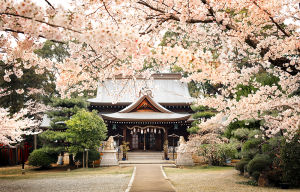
(42, 159)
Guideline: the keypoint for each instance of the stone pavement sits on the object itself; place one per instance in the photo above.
(149, 177)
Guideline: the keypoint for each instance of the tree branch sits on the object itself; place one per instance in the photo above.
(41, 36)
(40, 21)
(280, 62)
(49, 4)
(109, 13)
(273, 21)
(174, 17)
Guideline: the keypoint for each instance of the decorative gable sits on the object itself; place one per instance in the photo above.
(145, 106)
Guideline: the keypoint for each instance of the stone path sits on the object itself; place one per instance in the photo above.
(149, 177)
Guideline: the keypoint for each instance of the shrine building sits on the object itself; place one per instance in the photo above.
(145, 112)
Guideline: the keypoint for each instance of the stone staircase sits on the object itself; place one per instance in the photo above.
(145, 158)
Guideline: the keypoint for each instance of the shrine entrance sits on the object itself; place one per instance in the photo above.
(145, 124)
(146, 138)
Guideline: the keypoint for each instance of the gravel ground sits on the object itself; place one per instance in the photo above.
(91, 183)
(213, 181)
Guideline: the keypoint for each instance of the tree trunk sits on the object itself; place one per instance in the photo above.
(87, 159)
(71, 161)
(83, 159)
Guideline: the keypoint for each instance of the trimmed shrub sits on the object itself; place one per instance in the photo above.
(41, 159)
(254, 132)
(259, 163)
(251, 144)
(250, 124)
(193, 129)
(251, 147)
(203, 114)
(240, 166)
(241, 133)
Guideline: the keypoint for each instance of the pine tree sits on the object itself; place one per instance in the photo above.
(54, 138)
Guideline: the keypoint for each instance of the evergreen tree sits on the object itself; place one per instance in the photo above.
(54, 139)
(27, 81)
(28, 84)
(54, 51)
(201, 113)
(86, 130)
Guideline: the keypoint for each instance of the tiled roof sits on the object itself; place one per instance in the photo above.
(166, 89)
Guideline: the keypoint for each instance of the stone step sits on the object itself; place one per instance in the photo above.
(151, 161)
(132, 158)
(145, 153)
(145, 156)
(129, 155)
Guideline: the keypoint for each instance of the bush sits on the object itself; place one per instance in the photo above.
(251, 144)
(241, 133)
(251, 147)
(272, 146)
(290, 158)
(249, 124)
(93, 156)
(40, 158)
(203, 114)
(254, 132)
(216, 154)
(193, 129)
(240, 166)
(259, 163)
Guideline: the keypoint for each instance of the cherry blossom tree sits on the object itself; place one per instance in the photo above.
(225, 42)
(12, 128)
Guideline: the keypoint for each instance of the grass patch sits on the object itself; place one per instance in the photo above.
(32, 172)
(191, 169)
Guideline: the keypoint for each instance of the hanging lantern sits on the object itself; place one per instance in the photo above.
(142, 132)
(159, 132)
(134, 130)
(151, 130)
(154, 130)
(148, 130)
(131, 132)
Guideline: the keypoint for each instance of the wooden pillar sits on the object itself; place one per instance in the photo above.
(166, 143)
(124, 134)
(144, 141)
(165, 135)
